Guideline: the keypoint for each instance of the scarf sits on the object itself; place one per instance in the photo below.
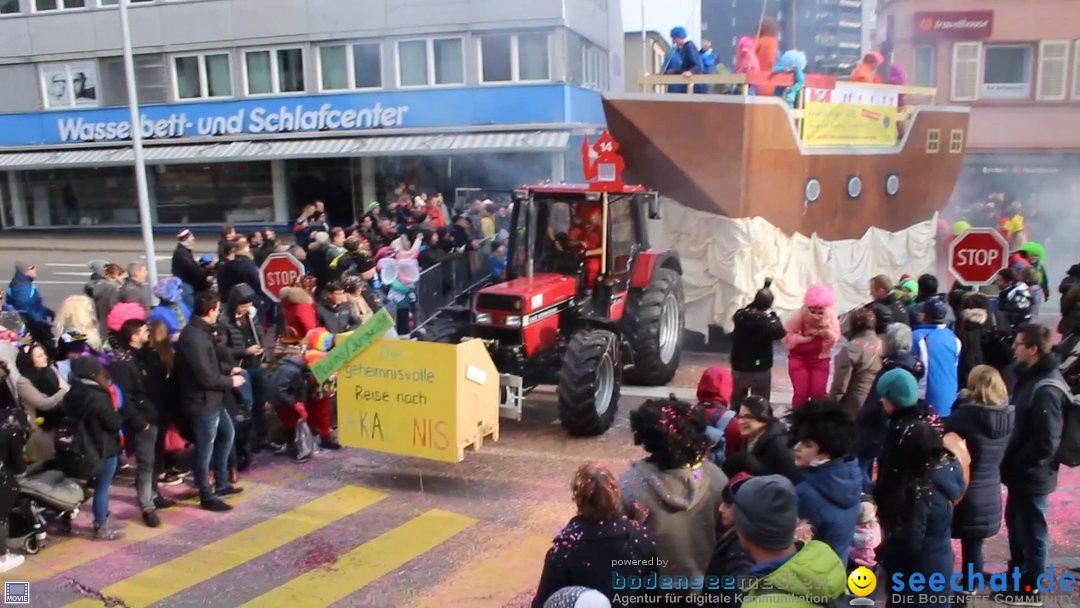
(44, 380)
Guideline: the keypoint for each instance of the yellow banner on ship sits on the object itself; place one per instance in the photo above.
(828, 121)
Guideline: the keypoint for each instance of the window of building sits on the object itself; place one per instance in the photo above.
(925, 66)
(431, 62)
(509, 57)
(116, 2)
(1053, 70)
(933, 141)
(595, 69)
(1007, 71)
(66, 85)
(956, 141)
(70, 197)
(274, 71)
(199, 76)
(967, 57)
(9, 7)
(153, 79)
(58, 5)
(350, 66)
(1076, 71)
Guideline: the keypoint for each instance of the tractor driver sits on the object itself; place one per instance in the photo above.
(587, 237)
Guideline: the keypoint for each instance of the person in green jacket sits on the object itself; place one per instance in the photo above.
(789, 574)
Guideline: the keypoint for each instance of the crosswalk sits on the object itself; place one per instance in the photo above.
(148, 567)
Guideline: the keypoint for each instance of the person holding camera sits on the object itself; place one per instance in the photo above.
(756, 328)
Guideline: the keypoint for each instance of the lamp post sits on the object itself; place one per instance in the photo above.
(142, 189)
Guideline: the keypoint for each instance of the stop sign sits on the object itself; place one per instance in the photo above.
(976, 256)
(277, 271)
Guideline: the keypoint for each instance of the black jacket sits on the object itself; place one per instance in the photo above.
(584, 552)
(752, 339)
(139, 409)
(200, 371)
(729, 559)
(239, 334)
(239, 270)
(889, 457)
(92, 406)
(889, 310)
(771, 455)
(986, 429)
(185, 268)
(338, 319)
(871, 421)
(1030, 464)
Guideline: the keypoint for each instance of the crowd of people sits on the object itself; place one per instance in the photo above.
(936, 401)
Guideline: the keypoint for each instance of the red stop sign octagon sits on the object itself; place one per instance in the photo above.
(976, 256)
(277, 271)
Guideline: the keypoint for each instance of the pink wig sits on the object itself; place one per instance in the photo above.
(745, 58)
(124, 311)
(819, 295)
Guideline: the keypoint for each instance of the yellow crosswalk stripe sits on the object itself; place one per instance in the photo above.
(206, 562)
(381, 555)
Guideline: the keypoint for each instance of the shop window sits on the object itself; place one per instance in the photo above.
(214, 193)
(66, 85)
(426, 62)
(933, 141)
(1053, 70)
(58, 5)
(956, 141)
(274, 71)
(1007, 71)
(355, 66)
(72, 197)
(9, 7)
(199, 76)
(925, 66)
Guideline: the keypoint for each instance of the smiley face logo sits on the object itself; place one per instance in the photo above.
(861, 582)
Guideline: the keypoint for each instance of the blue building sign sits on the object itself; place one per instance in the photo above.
(513, 105)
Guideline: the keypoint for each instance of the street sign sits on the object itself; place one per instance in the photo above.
(279, 270)
(977, 255)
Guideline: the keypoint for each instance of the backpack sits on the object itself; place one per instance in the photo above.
(1068, 452)
(76, 455)
(720, 422)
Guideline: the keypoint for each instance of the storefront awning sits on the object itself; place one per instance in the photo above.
(520, 141)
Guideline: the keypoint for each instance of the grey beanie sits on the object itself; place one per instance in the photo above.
(766, 512)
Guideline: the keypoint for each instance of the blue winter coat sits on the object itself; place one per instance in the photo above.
(829, 498)
(986, 428)
(925, 545)
(939, 350)
(23, 296)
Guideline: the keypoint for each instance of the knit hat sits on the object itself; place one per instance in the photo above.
(766, 512)
(319, 339)
(678, 32)
(912, 286)
(22, 267)
(169, 290)
(935, 309)
(98, 267)
(899, 387)
(86, 367)
(577, 597)
(1033, 248)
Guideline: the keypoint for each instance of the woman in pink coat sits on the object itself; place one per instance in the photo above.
(811, 333)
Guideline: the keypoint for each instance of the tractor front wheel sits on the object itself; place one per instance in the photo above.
(589, 383)
(654, 324)
(445, 331)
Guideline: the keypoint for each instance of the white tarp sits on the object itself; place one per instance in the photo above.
(726, 260)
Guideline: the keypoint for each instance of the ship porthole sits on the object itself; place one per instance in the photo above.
(892, 184)
(813, 190)
(854, 186)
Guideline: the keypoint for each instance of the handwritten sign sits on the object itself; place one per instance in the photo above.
(372, 329)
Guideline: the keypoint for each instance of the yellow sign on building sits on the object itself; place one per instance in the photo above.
(837, 118)
(420, 399)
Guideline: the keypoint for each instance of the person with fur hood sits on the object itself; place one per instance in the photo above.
(298, 308)
(811, 333)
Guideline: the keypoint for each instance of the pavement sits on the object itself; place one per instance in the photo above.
(367, 529)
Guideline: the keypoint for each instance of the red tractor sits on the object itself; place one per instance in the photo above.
(585, 302)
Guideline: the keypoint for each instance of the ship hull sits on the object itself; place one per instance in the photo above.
(741, 157)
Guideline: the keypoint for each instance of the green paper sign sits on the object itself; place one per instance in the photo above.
(372, 329)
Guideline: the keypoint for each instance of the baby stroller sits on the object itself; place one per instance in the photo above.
(45, 496)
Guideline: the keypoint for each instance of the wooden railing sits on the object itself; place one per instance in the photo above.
(646, 81)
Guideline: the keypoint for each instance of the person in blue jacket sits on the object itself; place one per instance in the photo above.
(830, 492)
(939, 350)
(708, 65)
(23, 296)
(684, 58)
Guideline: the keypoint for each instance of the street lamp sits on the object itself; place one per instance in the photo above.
(141, 187)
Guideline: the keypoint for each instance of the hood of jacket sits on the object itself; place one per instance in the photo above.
(838, 481)
(243, 291)
(815, 570)
(994, 421)
(296, 295)
(581, 530)
(21, 278)
(677, 489)
(975, 316)
(715, 386)
(948, 477)
(905, 361)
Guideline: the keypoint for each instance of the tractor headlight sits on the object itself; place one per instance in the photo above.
(483, 318)
(513, 320)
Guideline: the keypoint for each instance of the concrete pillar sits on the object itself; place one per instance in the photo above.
(18, 200)
(281, 192)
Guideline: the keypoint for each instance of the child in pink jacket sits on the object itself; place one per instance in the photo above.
(811, 333)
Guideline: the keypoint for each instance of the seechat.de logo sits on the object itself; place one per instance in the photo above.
(16, 593)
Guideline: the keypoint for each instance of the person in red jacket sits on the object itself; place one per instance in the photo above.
(298, 307)
(714, 395)
(587, 237)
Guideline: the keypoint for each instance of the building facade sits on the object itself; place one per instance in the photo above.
(1017, 64)
(252, 108)
(830, 32)
(644, 55)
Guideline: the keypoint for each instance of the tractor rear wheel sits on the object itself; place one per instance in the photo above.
(653, 324)
(446, 331)
(589, 383)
